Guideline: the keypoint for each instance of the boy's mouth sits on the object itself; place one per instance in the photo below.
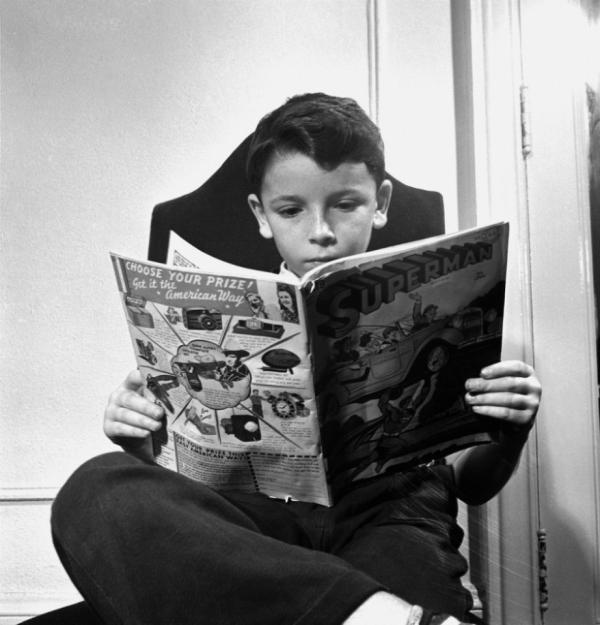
(321, 259)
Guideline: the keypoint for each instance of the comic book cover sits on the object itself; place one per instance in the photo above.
(298, 389)
(394, 338)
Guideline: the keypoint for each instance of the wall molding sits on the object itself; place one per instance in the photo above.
(491, 187)
(582, 165)
(374, 57)
(28, 494)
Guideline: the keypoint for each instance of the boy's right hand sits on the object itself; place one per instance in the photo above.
(131, 414)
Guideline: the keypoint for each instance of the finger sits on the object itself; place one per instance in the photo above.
(505, 414)
(512, 368)
(523, 386)
(134, 380)
(150, 396)
(502, 400)
(138, 403)
(125, 431)
(133, 418)
(508, 407)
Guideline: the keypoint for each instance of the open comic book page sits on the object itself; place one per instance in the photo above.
(226, 356)
(394, 337)
(184, 254)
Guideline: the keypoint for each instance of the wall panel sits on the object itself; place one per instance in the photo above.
(109, 107)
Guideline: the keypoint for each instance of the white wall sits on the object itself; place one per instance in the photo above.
(108, 107)
(550, 310)
(563, 303)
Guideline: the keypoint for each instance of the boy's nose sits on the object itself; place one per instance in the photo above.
(321, 231)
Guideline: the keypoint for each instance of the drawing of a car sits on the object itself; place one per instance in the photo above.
(423, 351)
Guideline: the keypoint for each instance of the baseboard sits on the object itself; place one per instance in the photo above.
(14, 620)
(14, 610)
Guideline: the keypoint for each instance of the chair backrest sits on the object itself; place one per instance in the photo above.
(216, 219)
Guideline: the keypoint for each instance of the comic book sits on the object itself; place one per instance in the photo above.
(298, 388)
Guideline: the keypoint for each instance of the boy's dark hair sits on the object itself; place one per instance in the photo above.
(328, 129)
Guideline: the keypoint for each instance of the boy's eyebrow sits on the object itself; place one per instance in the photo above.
(286, 198)
(354, 191)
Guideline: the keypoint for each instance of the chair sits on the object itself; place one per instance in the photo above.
(215, 218)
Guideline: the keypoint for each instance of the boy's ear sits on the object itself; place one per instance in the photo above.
(259, 212)
(384, 196)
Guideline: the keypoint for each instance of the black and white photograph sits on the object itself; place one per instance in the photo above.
(300, 312)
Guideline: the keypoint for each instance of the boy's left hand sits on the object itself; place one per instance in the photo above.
(508, 390)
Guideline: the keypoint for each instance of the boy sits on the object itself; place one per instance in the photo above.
(146, 545)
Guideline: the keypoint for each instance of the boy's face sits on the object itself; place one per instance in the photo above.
(315, 215)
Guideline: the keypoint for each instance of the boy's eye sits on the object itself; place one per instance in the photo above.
(288, 211)
(346, 205)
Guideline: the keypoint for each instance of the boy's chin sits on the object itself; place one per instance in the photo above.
(311, 264)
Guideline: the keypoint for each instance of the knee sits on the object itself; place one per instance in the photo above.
(80, 500)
